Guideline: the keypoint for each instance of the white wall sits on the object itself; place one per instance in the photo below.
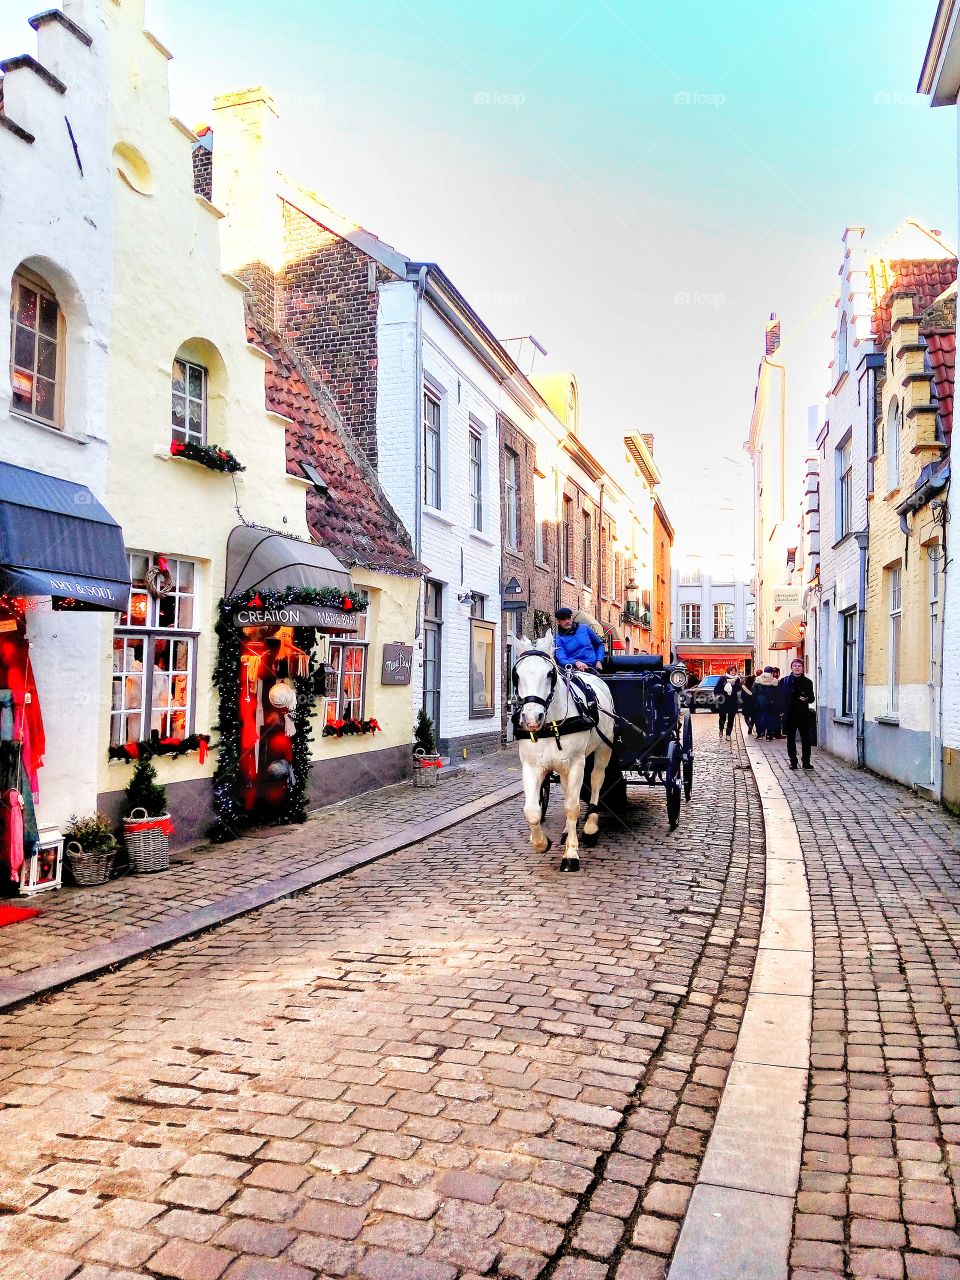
(58, 221)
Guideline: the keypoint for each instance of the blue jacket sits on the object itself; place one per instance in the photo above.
(581, 645)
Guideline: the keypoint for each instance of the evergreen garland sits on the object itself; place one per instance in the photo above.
(211, 456)
(322, 597)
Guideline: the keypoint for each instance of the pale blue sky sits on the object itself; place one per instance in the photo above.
(620, 158)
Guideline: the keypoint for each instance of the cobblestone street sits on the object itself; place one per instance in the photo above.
(455, 1062)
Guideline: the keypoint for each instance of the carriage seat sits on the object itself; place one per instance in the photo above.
(633, 662)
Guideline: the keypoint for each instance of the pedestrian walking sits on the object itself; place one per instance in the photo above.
(747, 703)
(728, 700)
(778, 705)
(797, 693)
(765, 700)
(576, 644)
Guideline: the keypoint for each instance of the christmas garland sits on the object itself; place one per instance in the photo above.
(157, 746)
(322, 597)
(341, 728)
(211, 456)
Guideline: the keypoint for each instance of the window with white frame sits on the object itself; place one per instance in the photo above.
(689, 622)
(587, 547)
(476, 479)
(844, 464)
(189, 410)
(751, 621)
(431, 449)
(155, 651)
(894, 601)
(37, 341)
(892, 444)
(539, 542)
(347, 656)
(933, 561)
(511, 502)
(848, 661)
(566, 545)
(723, 622)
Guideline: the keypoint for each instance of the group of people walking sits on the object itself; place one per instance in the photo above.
(772, 707)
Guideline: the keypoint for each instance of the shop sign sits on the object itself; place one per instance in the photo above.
(298, 615)
(397, 665)
(787, 598)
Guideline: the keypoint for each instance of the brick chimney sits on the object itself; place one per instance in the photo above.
(772, 334)
(245, 131)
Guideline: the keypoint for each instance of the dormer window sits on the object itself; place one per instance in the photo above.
(37, 345)
(189, 415)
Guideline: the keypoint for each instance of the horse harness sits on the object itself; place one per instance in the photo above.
(584, 698)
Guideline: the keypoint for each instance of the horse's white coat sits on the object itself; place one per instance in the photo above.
(542, 757)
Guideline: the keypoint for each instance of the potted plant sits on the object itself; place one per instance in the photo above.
(426, 759)
(90, 848)
(146, 824)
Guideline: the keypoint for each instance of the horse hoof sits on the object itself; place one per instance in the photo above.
(570, 864)
(548, 846)
(589, 839)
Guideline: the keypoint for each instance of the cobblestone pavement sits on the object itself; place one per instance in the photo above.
(72, 919)
(878, 1191)
(455, 1062)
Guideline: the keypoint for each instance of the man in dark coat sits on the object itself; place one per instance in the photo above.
(797, 702)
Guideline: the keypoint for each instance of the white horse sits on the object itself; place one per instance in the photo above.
(544, 701)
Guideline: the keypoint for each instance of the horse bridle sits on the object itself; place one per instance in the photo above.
(532, 697)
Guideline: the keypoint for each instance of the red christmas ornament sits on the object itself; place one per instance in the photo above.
(347, 603)
(202, 750)
(256, 602)
(176, 447)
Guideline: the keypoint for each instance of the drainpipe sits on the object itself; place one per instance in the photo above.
(420, 286)
(863, 538)
(600, 550)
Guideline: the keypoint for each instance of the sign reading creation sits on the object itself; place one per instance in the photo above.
(397, 664)
(298, 615)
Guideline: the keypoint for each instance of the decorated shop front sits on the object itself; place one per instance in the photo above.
(283, 596)
(60, 553)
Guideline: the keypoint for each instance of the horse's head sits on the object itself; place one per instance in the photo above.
(534, 680)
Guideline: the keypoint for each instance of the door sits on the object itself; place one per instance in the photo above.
(432, 647)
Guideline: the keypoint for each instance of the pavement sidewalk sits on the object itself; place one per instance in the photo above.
(83, 931)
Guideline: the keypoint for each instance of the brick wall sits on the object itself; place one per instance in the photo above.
(328, 310)
(203, 171)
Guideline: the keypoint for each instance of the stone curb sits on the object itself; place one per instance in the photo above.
(740, 1218)
(129, 946)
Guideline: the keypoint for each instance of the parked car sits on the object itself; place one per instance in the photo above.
(703, 696)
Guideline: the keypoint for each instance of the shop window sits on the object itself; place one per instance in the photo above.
(37, 343)
(154, 652)
(347, 658)
(482, 659)
(189, 412)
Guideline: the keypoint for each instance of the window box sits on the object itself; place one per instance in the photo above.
(211, 456)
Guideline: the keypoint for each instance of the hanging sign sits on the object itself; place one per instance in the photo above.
(787, 598)
(297, 615)
(397, 665)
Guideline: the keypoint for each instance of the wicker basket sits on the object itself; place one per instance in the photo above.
(89, 868)
(426, 769)
(148, 845)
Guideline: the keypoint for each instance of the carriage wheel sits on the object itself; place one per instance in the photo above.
(686, 744)
(673, 783)
(544, 796)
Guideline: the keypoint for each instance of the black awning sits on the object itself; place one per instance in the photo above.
(57, 540)
(263, 560)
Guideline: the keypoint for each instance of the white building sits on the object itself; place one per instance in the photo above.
(714, 615)
(55, 289)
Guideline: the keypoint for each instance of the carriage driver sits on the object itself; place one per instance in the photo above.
(576, 644)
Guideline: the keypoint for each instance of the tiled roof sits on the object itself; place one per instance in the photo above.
(353, 519)
(927, 277)
(939, 328)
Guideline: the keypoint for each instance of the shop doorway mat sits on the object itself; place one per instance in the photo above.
(13, 915)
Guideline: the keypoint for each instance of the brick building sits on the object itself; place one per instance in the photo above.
(660, 632)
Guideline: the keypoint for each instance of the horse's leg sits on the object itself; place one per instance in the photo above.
(533, 776)
(591, 827)
(572, 783)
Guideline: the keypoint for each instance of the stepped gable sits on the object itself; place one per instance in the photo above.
(938, 326)
(928, 278)
(354, 519)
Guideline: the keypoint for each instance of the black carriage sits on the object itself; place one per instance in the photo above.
(653, 736)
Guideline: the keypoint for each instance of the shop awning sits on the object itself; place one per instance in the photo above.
(788, 634)
(261, 560)
(57, 540)
(603, 629)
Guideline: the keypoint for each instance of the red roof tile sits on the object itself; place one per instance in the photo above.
(927, 277)
(939, 329)
(354, 518)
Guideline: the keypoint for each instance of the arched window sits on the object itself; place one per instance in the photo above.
(37, 345)
(198, 388)
(842, 355)
(892, 443)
